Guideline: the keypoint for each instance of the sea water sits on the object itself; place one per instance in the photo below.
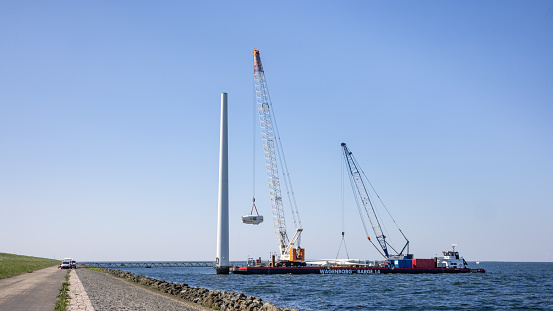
(505, 285)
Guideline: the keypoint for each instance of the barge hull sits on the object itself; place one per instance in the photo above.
(347, 270)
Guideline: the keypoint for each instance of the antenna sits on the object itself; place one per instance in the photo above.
(453, 246)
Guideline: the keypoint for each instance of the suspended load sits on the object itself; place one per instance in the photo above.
(253, 219)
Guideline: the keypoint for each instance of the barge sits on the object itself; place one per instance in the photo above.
(346, 270)
(450, 262)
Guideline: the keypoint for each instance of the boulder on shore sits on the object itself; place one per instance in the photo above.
(212, 299)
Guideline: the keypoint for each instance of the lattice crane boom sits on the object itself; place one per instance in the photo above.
(270, 145)
(355, 175)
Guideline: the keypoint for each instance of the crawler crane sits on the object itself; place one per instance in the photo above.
(360, 191)
(290, 254)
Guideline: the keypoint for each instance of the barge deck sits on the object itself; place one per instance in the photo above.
(347, 270)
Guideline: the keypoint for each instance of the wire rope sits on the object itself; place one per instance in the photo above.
(254, 121)
(382, 202)
(353, 187)
(286, 174)
(343, 240)
(379, 218)
(342, 190)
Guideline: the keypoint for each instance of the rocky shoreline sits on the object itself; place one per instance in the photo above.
(216, 300)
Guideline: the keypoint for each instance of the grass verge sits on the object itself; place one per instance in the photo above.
(12, 265)
(63, 297)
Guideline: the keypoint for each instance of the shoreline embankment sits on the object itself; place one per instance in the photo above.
(213, 299)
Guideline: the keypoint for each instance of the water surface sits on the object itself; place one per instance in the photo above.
(505, 285)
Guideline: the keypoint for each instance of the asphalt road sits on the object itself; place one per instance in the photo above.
(35, 291)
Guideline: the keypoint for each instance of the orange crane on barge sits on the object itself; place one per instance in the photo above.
(291, 254)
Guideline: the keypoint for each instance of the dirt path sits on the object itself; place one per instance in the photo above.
(35, 291)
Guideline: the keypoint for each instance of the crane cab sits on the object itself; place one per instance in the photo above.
(297, 254)
(252, 219)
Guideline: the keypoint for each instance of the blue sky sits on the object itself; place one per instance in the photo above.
(109, 122)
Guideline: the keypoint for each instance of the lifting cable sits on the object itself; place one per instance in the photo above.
(356, 196)
(254, 207)
(376, 211)
(343, 225)
(385, 207)
(285, 173)
(340, 247)
(254, 119)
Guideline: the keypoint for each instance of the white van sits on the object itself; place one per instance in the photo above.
(68, 263)
(65, 264)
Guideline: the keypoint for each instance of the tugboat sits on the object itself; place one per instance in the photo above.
(451, 259)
